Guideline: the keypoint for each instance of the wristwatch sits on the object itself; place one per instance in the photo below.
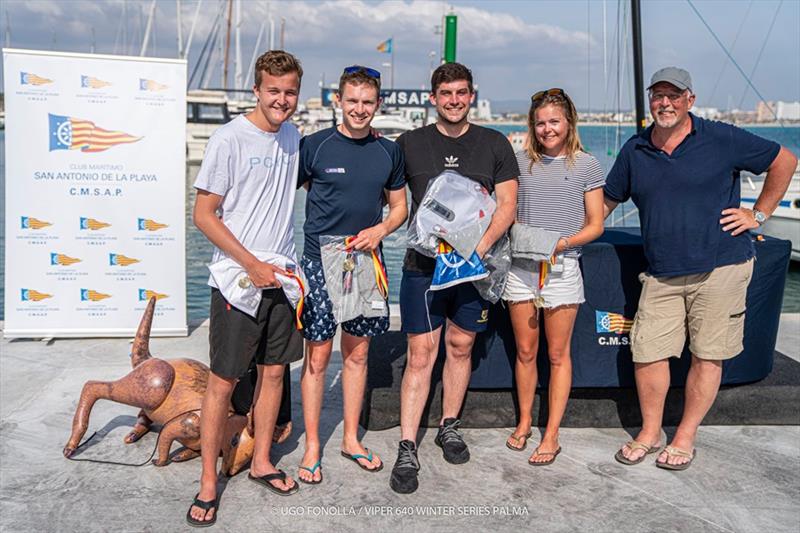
(759, 216)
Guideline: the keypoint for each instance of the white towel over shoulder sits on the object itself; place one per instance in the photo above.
(226, 274)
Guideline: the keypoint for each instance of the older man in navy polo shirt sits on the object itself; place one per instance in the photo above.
(682, 173)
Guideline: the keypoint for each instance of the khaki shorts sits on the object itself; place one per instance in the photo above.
(711, 306)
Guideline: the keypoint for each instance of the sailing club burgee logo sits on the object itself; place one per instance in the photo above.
(57, 259)
(146, 294)
(90, 82)
(33, 223)
(30, 295)
(607, 322)
(90, 295)
(28, 78)
(148, 224)
(93, 224)
(121, 260)
(68, 133)
(151, 85)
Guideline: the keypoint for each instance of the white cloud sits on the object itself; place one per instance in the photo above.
(511, 52)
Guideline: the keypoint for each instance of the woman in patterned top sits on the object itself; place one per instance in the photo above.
(561, 190)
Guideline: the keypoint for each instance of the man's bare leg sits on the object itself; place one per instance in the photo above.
(457, 369)
(354, 381)
(216, 403)
(422, 351)
(702, 385)
(652, 384)
(267, 401)
(312, 385)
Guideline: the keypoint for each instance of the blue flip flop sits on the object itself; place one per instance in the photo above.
(312, 469)
(356, 456)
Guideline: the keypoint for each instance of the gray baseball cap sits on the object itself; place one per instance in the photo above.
(674, 75)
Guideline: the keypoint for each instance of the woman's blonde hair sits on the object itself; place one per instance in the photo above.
(558, 98)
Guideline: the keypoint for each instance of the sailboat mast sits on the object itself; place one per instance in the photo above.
(179, 23)
(237, 57)
(146, 38)
(227, 47)
(638, 77)
(191, 31)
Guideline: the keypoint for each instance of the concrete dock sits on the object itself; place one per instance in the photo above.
(745, 478)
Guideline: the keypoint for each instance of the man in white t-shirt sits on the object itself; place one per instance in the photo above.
(245, 194)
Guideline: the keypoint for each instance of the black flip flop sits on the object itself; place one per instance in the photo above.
(265, 481)
(205, 506)
(356, 456)
(545, 463)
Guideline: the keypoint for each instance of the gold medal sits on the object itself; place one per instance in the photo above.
(349, 264)
(244, 283)
(539, 302)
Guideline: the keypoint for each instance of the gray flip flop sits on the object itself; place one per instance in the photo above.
(517, 438)
(636, 445)
(677, 452)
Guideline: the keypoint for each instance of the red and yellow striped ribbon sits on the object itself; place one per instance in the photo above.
(381, 278)
(544, 269)
(299, 309)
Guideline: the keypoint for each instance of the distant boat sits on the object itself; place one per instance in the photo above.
(205, 112)
(517, 140)
(392, 126)
(785, 221)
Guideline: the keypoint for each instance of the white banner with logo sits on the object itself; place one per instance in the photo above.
(95, 194)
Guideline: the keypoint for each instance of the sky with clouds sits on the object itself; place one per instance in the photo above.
(514, 47)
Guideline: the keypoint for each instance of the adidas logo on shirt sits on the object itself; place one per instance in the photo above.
(337, 170)
(450, 162)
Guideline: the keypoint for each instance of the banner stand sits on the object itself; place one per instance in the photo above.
(95, 194)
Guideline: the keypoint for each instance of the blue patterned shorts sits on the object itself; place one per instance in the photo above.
(318, 321)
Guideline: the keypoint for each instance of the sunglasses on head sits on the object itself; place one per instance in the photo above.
(549, 92)
(371, 72)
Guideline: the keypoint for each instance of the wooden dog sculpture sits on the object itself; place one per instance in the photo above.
(169, 393)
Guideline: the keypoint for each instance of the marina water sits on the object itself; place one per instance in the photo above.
(602, 141)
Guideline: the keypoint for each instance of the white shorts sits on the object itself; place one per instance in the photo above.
(560, 288)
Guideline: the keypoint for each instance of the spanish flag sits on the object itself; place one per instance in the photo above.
(386, 46)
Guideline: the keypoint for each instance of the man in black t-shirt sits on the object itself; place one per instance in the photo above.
(485, 156)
